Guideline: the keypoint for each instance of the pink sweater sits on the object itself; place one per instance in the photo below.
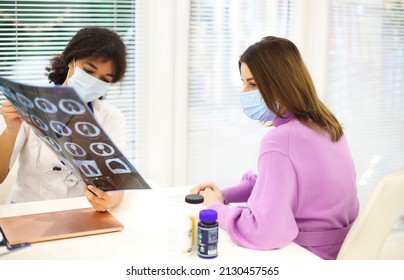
(304, 191)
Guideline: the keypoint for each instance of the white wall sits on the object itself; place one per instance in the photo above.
(158, 104)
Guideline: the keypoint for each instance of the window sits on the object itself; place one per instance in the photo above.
(33, 31)
(362, 82)
(366, 86)
(222, 142)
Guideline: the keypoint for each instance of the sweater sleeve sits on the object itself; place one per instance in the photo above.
(267, 222)
(240, 192)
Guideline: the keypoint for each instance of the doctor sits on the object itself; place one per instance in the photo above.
(93, 59)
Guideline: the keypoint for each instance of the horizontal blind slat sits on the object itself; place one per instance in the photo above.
(366, 67)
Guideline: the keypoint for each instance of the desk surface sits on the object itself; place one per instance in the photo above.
(144, 216)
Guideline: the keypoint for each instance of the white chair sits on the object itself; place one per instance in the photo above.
(366, 238)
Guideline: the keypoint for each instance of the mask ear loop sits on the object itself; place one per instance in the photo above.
(277, 105)
(74, 66)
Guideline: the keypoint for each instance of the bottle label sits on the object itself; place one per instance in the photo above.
(207, 241)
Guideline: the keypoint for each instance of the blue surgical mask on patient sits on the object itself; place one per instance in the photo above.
(88, 87)
(254, 106)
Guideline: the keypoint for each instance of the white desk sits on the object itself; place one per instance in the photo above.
(144, 216)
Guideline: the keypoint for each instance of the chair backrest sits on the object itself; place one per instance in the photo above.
(375, 220)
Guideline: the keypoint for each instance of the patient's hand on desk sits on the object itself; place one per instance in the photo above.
(210, 192)
(100, 200)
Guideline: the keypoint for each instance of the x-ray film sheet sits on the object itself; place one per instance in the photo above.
(64, 121)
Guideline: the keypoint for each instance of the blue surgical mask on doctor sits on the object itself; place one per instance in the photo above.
(254, 106)
(88, 87)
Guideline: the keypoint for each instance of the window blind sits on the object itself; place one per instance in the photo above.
(33, 31)
(222, 142)
(366, 86)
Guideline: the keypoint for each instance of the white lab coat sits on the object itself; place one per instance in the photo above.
(41, 182)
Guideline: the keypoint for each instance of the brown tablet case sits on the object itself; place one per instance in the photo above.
(58, 225)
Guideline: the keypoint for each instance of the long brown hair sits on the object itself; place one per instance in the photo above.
(281, 75)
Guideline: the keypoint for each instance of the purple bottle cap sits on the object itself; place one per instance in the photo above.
(208, 215)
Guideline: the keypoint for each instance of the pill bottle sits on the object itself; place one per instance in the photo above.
(194, 206)
(179, 237)
(208, 234)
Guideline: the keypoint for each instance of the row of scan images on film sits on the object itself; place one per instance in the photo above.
(72, 107)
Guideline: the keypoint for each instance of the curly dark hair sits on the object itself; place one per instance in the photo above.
(92, 41)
